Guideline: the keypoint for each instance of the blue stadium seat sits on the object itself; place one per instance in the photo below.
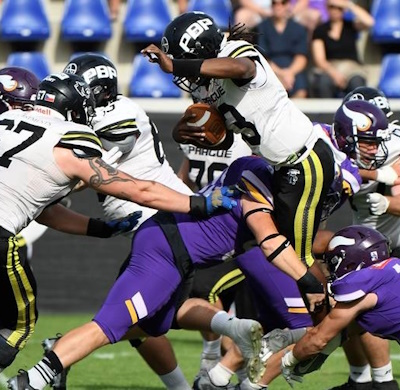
(24, 20)
(86, 20)
(35, 61)
(146, 20)
(148, 80)
(387, 21)
(389, 81)
(220, 11)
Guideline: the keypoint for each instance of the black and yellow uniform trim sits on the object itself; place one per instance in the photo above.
(118, 129)
(299, 193)
(18, 293)
(230, 279)
(89, 143)
(245, 48)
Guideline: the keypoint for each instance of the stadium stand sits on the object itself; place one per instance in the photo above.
(389, 81)
(220, 10)
(387, 21)
(86, 20)
(24, 20)
(35, 61)
(148, 80)
(146, 20)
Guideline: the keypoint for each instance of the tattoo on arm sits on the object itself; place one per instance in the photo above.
(97, 179)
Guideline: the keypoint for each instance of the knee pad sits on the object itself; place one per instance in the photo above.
(7, 353)
(136, 343)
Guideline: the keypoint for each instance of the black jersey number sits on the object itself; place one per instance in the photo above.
(247, 130)
(157, 143)
(37, 133)
(200, 167)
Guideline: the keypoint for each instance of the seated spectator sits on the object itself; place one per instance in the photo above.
(309, 13)
(251, 12)
(114, 6)
(338, 69)
(284, 43)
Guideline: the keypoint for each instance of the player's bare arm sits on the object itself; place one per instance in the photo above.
(230, 68)
(278, 250)
(108, 180)
(339, 318)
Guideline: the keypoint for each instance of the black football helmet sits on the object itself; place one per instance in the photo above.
(355, 247)
(192, 35)
(99, 72)
(372, 95)
(69, 95)
(18, 87)
(358, 120)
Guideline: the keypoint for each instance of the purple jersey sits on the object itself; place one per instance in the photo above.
(382, 279)
(147, 292)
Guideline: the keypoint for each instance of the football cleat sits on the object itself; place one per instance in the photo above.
(204, 382)
(19, 382)
(391, 385)
(60, 381)
(352, 385)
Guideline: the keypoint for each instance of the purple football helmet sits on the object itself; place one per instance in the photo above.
(355, 247)
(360, 121)
(18, 87)
(372, 95)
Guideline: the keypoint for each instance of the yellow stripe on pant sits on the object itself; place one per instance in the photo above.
(305, 220)
(24, 296)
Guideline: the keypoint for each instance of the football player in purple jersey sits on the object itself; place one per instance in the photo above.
(366, 288)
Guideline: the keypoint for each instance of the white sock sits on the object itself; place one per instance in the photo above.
(175, 380)
(40, 375)
(360, 374)
(383, 374)
(211, 348)
(222, 323)
(220, 375)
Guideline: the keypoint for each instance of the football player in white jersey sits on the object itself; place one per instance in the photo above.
(44, 153)
(121, 123)
(233, 76)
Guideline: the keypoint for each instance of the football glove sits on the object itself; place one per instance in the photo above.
(123, 225)
(112, 156)
(378, 204)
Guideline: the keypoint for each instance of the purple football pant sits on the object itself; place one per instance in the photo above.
(147, 292)
(276, 295)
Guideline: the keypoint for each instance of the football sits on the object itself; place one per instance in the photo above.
(208, 117)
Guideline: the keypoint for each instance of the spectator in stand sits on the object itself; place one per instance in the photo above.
(309, 13)
(251, 12)
(338, 69)
(285, 45)
(114, 6)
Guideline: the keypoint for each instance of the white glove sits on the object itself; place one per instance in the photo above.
(378, 204)
(386, 175)
(278, 339)
(288, 363)
(112, 156)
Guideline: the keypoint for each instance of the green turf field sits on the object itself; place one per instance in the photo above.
(119, 367)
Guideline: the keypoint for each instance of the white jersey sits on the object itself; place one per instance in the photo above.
(146, 161)
(205, 165)
(30, 178)
(387, 224)
(260, 110)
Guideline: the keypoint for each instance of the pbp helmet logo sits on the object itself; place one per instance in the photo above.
(9, 84)
(193, 32)
(83, 89)
(99, 72)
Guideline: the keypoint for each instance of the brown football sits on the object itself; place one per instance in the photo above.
(208, 117)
